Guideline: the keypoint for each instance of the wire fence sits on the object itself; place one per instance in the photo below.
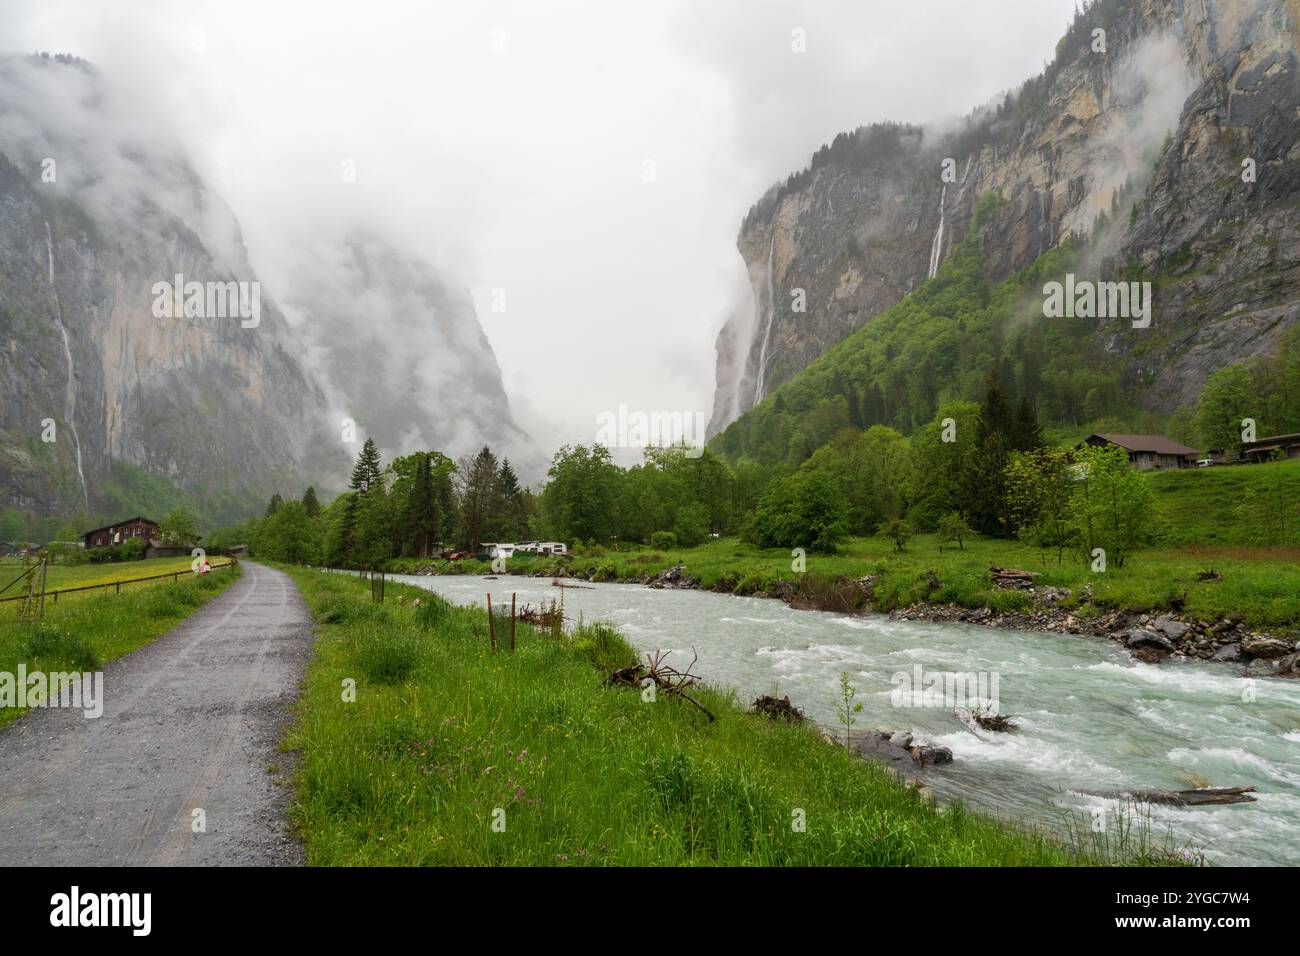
(116, 585)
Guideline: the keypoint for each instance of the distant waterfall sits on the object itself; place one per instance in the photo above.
(936, 246)
(70, 392)
(765, 304)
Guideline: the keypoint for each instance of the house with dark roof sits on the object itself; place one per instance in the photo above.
(121, 531)
(1261, 449)
(1148, 452)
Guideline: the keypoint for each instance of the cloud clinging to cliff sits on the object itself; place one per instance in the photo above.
(507, 143)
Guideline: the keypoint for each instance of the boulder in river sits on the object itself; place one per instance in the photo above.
(879, 745)
(1148, 646)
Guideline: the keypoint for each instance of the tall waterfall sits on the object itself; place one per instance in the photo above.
(765, 303)
(936, 246)
(70, 392)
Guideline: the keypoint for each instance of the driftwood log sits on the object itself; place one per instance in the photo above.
(1206, 796)
(1006, 578)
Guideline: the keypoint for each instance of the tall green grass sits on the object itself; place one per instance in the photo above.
(85, 633)
(446, 737)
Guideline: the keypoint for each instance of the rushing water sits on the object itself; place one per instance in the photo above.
(1089, 716)
(70, 392)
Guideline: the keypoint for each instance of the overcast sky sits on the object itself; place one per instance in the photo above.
(510, 143)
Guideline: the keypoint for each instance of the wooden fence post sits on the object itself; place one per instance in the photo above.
(492, 631)
(512, 622)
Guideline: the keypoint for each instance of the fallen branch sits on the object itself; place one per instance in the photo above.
(667, 679)
(1205, 796)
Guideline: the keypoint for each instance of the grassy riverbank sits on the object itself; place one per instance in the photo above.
(84, 632)
(1261, 587)
(445, 737)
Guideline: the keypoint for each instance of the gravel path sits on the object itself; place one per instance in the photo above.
(190, 722)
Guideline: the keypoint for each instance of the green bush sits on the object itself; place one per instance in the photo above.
(663, 540)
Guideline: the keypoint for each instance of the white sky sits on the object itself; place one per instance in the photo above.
(521, 167)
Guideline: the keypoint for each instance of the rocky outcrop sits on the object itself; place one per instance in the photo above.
(1150, 638)
(1152, 132)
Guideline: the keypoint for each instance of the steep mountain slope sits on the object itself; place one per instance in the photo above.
(1138, 147)
(97, 204)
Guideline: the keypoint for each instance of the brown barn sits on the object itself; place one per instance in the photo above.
(1262, 448)
(1149, 452)
(122, 531)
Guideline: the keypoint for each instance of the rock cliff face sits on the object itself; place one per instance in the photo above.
(1138, 146)
(96, 206)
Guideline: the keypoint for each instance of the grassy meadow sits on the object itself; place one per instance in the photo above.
(446, 738)
(85, 631)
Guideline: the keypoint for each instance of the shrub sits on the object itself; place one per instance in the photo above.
(663, 540)
(603, 646)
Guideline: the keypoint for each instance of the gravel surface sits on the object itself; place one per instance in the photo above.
(190, 722)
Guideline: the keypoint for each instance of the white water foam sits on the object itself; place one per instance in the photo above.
(70, 392)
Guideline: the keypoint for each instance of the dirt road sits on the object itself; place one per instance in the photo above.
(190, 722)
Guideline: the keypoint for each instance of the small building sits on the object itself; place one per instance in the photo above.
(1262, 449)
(1148, 452)
(121, 531)
(167, 549)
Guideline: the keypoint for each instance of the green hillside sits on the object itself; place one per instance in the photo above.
(937, 346)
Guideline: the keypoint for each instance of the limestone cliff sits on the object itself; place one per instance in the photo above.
(1138, 146)
(97, 205)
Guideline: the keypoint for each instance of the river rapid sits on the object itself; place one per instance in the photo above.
(1088, 715)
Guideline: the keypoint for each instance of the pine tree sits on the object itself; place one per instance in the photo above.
(1026, 433)
(365, 476)
(422, 509)
(274, 504)
(985, 478)
(510, 501)
(311, 503)
(366, 471)
(478, 478)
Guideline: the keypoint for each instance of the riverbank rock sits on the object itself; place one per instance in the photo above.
(1141, 638)
(1228, 652)
(1267, 648)
(674, 578)
(1288, 666)
(1171, 628)
(880, 746)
